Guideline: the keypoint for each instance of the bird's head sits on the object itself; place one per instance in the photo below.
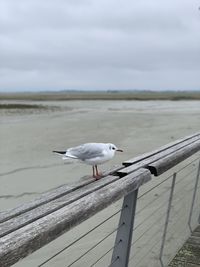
(113, 148)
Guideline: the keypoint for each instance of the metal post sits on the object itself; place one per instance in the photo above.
(193, 198)
(167, 219)
(120, 256)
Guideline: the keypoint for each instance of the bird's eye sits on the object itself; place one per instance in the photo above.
(113, 148)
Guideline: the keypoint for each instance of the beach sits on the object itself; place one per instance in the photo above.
(28, 166)
(28, 137)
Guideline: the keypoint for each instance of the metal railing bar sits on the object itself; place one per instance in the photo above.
(155, 211)
(147, 253)
(157, 185)
(163, 204)
(150, 239)
(185, 166)
(179, 244)
(137, 226)
(81, 237)
(159, 229)
(194, 196)
(151, 202)
(154, 244)
(181, 230)
(171, 232)
(197, 208)
(116, 259)
(170, 176)
(152, 213)
(127, 219)
(93, 264)
(167, 218)
(153, 224)
(185, 176)
(185, 220)
(180, 199)
(177, 214)
(178, 220)
(90, 249)
(182, 178)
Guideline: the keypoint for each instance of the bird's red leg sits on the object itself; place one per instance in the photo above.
(98, 175)
(93, 171)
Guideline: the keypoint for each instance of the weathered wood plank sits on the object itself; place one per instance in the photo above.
(42, 199)
(49, 196)
(162, 148)
(162, 165)
(33, 236)
(43, 210)
(148, 161)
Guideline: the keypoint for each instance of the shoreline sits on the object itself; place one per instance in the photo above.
(104, 95)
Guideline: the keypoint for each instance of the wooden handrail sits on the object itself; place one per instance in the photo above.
(32, 225)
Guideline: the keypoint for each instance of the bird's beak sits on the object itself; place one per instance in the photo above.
(119, 150)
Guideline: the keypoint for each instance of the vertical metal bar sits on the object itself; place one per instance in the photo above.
(193, 198)
(121, 252)
(167, 219)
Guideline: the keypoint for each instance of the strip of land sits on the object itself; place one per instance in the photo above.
(102, 95)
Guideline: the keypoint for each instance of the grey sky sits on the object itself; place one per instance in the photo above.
(99, 44)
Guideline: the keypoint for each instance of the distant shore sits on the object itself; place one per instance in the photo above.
(104, 95)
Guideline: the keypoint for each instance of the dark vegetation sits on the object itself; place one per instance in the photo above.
(21, 106)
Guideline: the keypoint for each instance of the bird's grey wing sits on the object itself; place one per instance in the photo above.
(86, 151)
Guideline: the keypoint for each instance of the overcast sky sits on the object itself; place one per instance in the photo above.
(99, 44)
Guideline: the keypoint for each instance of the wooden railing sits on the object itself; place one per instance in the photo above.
(30, 226)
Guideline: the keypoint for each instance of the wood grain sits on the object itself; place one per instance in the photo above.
(162, 165)
(50, 195)
(51, 206)
(147, 161)
(160, 149)
(33, 236)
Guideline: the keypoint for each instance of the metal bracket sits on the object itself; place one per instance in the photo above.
(121, 252)
(193, 199)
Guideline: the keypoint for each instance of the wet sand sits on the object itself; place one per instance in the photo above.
(28, 167)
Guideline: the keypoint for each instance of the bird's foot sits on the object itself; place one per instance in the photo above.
(97, 177)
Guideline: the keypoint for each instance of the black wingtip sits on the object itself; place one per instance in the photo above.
(59, 152)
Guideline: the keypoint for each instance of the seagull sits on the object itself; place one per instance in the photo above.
(91, 154)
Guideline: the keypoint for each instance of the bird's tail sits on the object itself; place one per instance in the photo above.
(66, 155)
(59, 152)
